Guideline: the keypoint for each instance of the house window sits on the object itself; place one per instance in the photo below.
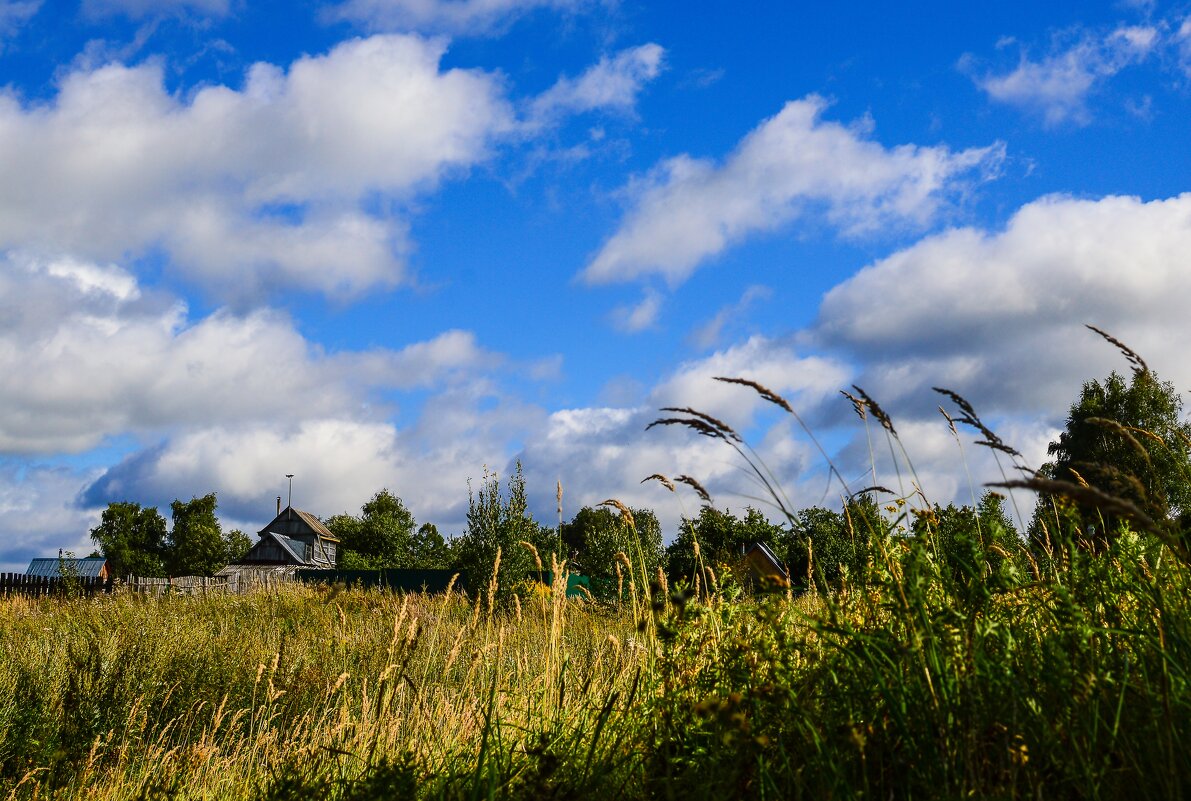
(309, 553)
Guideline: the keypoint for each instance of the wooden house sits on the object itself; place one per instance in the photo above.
(294, 538)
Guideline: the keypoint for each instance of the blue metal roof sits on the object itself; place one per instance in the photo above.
(89, 567)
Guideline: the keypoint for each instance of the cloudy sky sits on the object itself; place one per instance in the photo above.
(391, 243)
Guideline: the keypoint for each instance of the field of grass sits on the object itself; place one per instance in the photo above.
(1019, 675)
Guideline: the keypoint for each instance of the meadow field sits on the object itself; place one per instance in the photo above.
(1060, 674)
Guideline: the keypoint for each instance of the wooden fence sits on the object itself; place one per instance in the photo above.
(74, 586)
(185, 585)
(38, 586)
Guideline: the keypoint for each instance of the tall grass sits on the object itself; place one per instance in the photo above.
(973, 667)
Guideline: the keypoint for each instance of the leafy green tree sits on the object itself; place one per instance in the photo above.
(593, 537)
(133, 539)
(499, 520)
(381, 537)
(964, 537)
(1127, 439)
(837, 541)
(722, 539)
(429, 549)
(196, 545)
(238, 544)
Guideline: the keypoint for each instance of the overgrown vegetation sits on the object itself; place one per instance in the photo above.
(919, 651)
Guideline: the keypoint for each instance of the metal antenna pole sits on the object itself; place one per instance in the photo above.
(290, 476)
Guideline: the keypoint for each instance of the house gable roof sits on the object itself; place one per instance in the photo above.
(759, 555)
(294, 521)
(293, 551)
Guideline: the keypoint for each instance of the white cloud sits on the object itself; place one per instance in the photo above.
(14, 14)
(599, 452)
(338, 462)
(612, 83)
(39, 515)
(1058, 86)
(101, 359)
(250, 188)
(999, 316)
(772, 363)
(709, 334)
(688, 210)
(139, 9)
(634, 319)
(475, 17)
(1182, 40)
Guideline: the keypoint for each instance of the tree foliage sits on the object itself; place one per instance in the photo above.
(382, 536)
(722, 539)
(133, 539)
(135, 542)
(499, 521)
(594, 537)
(1127, 439)
(838, 542)
(196, 543)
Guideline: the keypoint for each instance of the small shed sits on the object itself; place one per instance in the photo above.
(55, 567)
(763, 565)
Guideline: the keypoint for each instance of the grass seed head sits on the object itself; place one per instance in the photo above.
(658, 477)
(763, 391)
(696, 486)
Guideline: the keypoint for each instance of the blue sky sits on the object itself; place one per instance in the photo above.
(390, 243)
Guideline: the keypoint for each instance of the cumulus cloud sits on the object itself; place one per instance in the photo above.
(1058, 85)
(596, 452)
(39, 515)
(687, 210)
(613, 83)
(474, 17)
(102, 358)
(338, 462)
(999, 315)
(250, 188)
(602, 451)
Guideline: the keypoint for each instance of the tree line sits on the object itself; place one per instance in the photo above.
(134, 539)
(1122, 438)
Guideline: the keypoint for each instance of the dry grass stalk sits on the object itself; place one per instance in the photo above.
(626, 514)
(696, 486)
(658, 477)
(1138, 364)
(875, 408)
(858, 405)
(719, 425)
(1086, 495)
(764, 392)
(537, 559)
(693, 423)
(970, 418)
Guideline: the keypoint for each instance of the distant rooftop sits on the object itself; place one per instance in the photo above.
(88, 567)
